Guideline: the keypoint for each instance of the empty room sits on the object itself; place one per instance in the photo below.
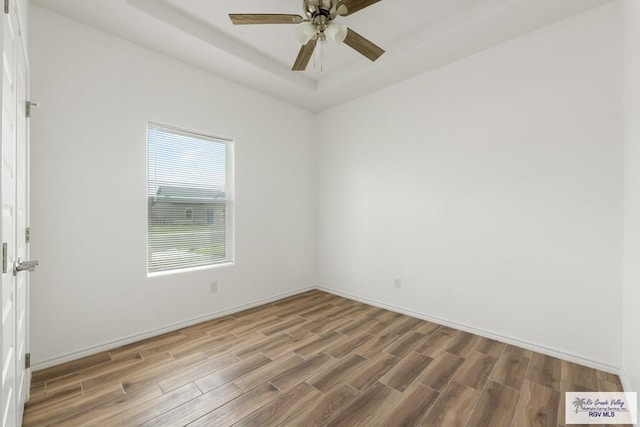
(320, 212)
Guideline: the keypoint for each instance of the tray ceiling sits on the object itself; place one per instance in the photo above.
(418, 35)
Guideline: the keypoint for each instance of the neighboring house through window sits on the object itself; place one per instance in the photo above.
(190, 199)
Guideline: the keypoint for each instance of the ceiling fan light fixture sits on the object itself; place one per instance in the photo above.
(305, 32)
(317, 27)
(336, 32)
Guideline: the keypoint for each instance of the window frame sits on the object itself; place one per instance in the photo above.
(229, 204)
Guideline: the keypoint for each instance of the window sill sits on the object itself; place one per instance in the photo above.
(190, 270)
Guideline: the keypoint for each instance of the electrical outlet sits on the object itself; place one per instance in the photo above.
(397, 282)
(213, 287)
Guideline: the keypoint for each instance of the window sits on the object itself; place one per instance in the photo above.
(190, 199)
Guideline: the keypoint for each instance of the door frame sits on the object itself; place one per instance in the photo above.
(22, 64)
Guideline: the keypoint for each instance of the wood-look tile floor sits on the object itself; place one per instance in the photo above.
(314, 359)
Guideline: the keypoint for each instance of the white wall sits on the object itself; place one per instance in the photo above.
(492, 187)
(89, 207)
(631, 346)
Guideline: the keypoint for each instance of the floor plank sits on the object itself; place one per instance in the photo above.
(264, 373)
(351, 344)
(49, 412)
(545, 370)
(441, 370)
(475, 370)
(370, 372)
(150, 409)
(193, 409)
(579, 375)
(318, 345)
(325, 407)
(436, 344)
(71, 367)
(110, 408)
(510, 369)
(231, 372)
(366, 410)
(332, 375)
(299, 373)
(463, 344)
(412, 408)
(453, 407)
(406, 344)
(496, 406)
(114, 366)
(279, 409)
(406, 371)
(490, 347)
(538, 406)
(375, 346)
(238, 408)
(196, 372)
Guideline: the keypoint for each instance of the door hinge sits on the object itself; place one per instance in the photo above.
(27, 361)
(4, 258)
(28, 105)
(27, 234)
(6, 7)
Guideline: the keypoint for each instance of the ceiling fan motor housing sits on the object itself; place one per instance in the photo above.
(316, 8)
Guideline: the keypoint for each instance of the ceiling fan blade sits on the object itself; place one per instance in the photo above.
(304, 56)
(362, 45)
(354, 6)
(264, 18)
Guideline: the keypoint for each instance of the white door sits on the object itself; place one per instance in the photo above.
(14, 377)
(8, 313)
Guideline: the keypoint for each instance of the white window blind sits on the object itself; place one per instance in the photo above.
(190, 199)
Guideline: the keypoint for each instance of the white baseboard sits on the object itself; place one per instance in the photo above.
(155, 332)
(482, 332)
(626, 383)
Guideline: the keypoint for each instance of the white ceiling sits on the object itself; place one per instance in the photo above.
(418, 35)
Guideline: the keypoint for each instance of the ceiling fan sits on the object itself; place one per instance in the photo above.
(317, 26)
